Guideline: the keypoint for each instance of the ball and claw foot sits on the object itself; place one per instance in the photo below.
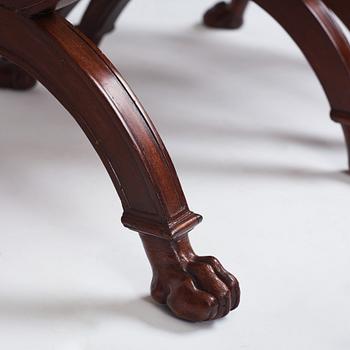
(194, 288)
(13, 77)
(223, 16)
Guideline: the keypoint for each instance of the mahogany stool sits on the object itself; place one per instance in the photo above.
(57, 54)
(46, 47)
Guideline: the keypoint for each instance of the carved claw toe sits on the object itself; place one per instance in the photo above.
(194, 288)
(226, 277)
(222, 16)
(188, 302)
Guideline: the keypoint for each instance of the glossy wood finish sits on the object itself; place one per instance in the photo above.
(341, 8)
(75, 71)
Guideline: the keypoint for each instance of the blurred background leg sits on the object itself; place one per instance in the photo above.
(226, 15)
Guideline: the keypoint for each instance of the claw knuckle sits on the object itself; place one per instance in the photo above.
(232, 282)
(211, 301)
(223, 293)
(206, 267)
(212, 260)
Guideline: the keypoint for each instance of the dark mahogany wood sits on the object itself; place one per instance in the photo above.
(32, 7)
(341, 8)
(195, 288)
(226, 15)
(13, 77)
(230, 15)
(75, 71)
(98, 20)
(100, 17)
(66, 10)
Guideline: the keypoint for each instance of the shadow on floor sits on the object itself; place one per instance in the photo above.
(83, 309)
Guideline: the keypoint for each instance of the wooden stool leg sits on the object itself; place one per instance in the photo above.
(325, 47)
(226, 15)
(100, 17)
(91, 89)
(65, 11)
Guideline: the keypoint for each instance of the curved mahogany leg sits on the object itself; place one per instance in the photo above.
(323, 44)
(92, 90)
(100, 17)
(320, 39)
(226, 15)
(341, 8)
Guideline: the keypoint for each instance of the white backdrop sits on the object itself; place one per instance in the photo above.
(247, 125)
